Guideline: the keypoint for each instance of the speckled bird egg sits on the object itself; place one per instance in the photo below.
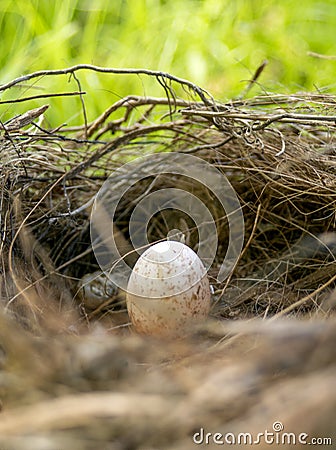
(168, 290)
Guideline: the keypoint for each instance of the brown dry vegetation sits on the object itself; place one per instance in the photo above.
(76, 378)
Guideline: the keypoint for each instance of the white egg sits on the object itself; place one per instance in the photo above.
(168, 290)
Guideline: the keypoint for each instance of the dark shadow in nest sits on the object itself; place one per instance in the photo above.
(158, 221)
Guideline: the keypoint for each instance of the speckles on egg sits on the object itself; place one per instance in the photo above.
(168, 289)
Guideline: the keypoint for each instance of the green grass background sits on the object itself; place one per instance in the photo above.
(217, 44)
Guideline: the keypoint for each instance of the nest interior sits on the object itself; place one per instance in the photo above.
(71, 376)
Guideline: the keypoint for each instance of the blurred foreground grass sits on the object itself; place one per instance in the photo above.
(216, 44)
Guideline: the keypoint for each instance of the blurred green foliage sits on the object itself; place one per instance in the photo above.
(217, 44)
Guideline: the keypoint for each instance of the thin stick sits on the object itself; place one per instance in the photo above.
(254, 79)
(321, 56)
(37, 97)
(304, 299)
(205, 96)
(285, 117)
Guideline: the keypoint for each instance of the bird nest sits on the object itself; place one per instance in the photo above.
(277, 152)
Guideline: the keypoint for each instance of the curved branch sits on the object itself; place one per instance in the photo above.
(202, 93)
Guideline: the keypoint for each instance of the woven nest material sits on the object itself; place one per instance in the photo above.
(278, 153)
